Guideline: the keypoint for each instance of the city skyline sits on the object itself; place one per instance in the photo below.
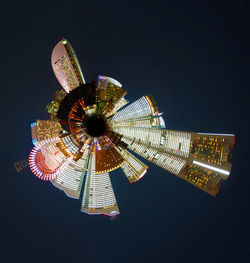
(91, 131)
(193, 57)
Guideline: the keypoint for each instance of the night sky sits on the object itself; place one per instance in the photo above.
(193, 57)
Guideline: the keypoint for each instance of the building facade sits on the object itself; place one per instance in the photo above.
(92, 131)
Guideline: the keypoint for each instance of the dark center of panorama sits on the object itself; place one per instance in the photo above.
(95, 125)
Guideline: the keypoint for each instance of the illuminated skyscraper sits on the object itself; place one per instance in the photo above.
(92, 131)
(203, 160)
(98, 196)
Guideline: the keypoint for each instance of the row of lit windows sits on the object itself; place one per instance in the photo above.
(70, 145)
(129, 172)
(134, 162)
(170, 141)
(137, 109)
(137, 123)
(170, 163)
(121, 103)
(45, 129)
(133, 168)
(73, 176)
(143, 134)
(98, 191)
(66, 73)
(210, 149)
(161, 159)
(114, 92)
(176, 142)
(203, 178)
(144, 122)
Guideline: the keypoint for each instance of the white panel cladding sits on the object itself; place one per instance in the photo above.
(129, 171)
(98, 190)
(145, 122)
(176, 142)
(156, 156)
(71, 180)
(133, 168)
(70, 145)
(170, 141)
(137, 109)
(120, 104)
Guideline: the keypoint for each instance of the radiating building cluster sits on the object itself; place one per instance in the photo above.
(92, 131)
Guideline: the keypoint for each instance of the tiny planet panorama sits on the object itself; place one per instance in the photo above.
(93, 130)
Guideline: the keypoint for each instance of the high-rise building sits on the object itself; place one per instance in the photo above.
(42, 130)
(66, 66)
(133, 168)
(98, 195)
(201, 159)
(92, 131)
(71, 180)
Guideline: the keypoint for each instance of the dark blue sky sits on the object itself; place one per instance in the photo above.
(193, 58)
